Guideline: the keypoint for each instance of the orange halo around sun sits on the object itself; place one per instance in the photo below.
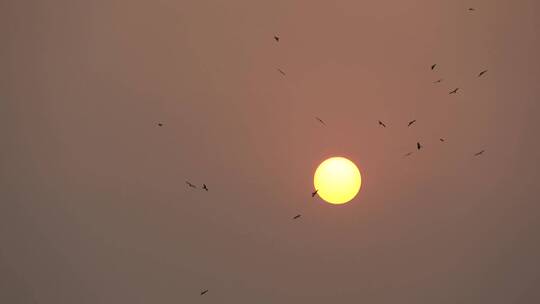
(337, 180)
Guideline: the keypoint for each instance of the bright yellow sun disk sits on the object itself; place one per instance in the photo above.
(337, 180)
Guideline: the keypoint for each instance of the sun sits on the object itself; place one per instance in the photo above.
(337, 180)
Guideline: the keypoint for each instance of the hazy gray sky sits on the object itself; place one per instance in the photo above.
(94, 206)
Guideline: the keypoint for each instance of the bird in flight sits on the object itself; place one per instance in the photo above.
(160, 124)
(454, 91)
(204, 291)
(482, 73)
(433, 66)
(382, 124)
(471, 9)
(418, 146)
(438, 81)
(191, 185)
(314, 193)
(479, 153)
(441, 139)
(276, 38)
(408, 154)
(320, 120)
(204, 187)
(411, 122)
(283, 73)
(297, 216)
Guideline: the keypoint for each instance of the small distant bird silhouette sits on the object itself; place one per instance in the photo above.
(191, 185)
(204, 187)
(441, 139)
(382, 124)
(283, 73)
(411, 122)
(160, 124)
(438, 81)
(297, 216)
(314, 192)
(471, 9)
(479, 153)
(320, 120)
(418, 146)
(276, 38)
(204, 291)
(482, 73)
(408, 154)
(454, 91)
(433, 66)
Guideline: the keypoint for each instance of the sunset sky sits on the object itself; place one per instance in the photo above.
(94, 207)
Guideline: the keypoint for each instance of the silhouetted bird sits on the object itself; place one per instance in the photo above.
(160, 124)
(438, 81)
(283, 73)
(190, 185)
(479, 153)
(314, 193)
(320, 120)
(276, 38)
(441, 139)
(454, 91)
(411, 122)
(482, 73)
(471, 9)
(204, 291)
(382, 124)
(418, 146)
(297, 216)
(433, 66)
(204, 187)
(408, 154)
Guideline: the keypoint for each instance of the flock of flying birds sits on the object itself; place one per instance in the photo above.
(382, 124)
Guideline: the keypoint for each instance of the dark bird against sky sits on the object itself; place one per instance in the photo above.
(276, 38)
(482, 73)
(433, 66)
(191, 185)
(204, 291)
(283, 73)
(160, 124)
(408, 154)
(320, 120)
(314, 193)
(454, 91)
(382, 124)
(411, 122)
(438, 81)
(418, 146)
(479, 153)
(441, 139)
(297, 216)
(204, 187)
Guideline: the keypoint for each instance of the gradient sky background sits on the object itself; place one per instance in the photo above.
(94, 206)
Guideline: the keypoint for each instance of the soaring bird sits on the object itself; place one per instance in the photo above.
(204, 291)
(204, 187)
(320, 120)
(454, 91)
(482, 73)
(297, 216)
(382, 124)
(441, 139)
(411, 122)
(283, 73)
(471, 9)
(479, 153)
(276, 38)
(433, 66)
(314, 193)
(160, 124)
(408, 154)
(191, 185)
(418, 146)
(438, 81)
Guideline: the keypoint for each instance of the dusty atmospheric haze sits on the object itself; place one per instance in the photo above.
(109, 107)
